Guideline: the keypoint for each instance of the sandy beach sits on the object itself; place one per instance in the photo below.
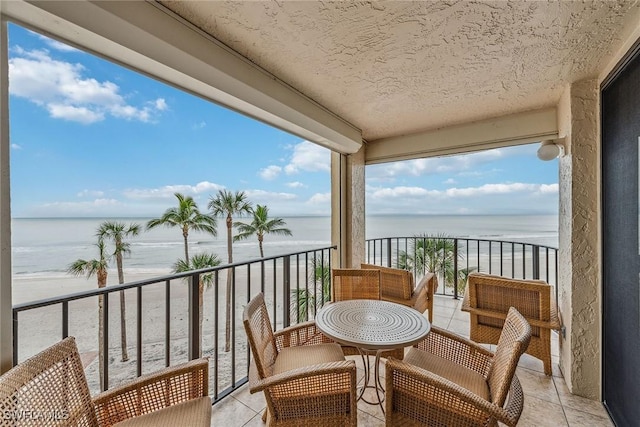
(39, 328)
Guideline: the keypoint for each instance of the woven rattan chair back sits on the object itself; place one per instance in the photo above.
(514, 340)
(260, 334)
(355, 283)
(489, 297)
(496, 296)
(394, 282)
(49, 389)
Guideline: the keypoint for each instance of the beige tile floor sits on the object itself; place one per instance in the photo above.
(547, 399)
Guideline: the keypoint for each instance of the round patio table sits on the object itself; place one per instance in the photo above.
(372, 326)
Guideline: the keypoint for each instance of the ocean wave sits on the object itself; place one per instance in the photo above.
(112, 272)
(298, 243)
(41, 274)
(157, 244)
(53, 247)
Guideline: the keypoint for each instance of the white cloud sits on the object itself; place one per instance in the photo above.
(268, 196)
(66, 93)
(458, 164)
(160, 104)
(452, 193)
(206, 187)
(74, 114)
(385, 193)
(130, 113)
(487, 198)
(309, 157)
(449, 181)
(81, 207)
(270, 172)
(16, 147)
(295, 184)
(200, 125)
(55, 44)
(487, 189)
(168, 191)
(90, 193)
(549, 189)
(320, 198)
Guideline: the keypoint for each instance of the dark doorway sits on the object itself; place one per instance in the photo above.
(621, 243)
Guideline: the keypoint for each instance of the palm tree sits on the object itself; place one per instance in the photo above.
(261, 225)
(117, 232)
(187, 217)
(433, 254)
(226, 204)
(97, 267)
(463, 275)
(197, 262)
(305, 301)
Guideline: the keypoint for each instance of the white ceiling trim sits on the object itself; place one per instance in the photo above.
(154, 41)
(514, 129)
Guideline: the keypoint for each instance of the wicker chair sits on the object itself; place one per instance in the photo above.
(446, 380)
(305, 378)
(488, 298)
(356, 283)
(396, 285)
(50, 389)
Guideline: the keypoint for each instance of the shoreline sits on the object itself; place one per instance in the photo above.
(40, 327)
(32, 287)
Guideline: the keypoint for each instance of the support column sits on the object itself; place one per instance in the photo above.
(348, 208)
(6, 317)
(579, 259)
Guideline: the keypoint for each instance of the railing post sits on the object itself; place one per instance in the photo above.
(286, 305)
(15, 337)
(65, 319)
(535, 249)
(455, 269)
(389, 252)
(194, 318)
(105, 341)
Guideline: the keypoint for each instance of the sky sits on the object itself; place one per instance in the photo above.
(90, 138)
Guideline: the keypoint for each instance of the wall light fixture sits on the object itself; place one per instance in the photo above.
(551, 149)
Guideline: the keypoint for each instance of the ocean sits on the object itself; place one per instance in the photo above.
(46, 246)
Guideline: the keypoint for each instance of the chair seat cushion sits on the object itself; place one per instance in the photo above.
(458, 374)
(306, 355)
(193, 413)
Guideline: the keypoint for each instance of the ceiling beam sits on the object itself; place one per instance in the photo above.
(514, 129)
(148, 38)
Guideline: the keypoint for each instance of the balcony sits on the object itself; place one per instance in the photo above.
(164, 312)
(547, 399)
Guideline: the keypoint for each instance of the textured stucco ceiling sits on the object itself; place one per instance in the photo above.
(396, 68)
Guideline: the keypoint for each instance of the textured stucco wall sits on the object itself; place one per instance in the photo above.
(580, 287)
(356, 208)
(347, 208)
(399, 67)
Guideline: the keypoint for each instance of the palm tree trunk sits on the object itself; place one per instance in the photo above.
(260, 238)
(123, 310)
(227, 332)
(185, 236)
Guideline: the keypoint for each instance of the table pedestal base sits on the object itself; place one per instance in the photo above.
(377, 385)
